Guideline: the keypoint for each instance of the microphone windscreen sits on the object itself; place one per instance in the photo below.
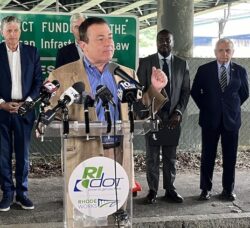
(56, 83)
(112, 67)
(79, 87)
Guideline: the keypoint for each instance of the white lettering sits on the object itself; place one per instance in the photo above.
(121, 46)
(27, 26)
(118, 29)
(55, 27)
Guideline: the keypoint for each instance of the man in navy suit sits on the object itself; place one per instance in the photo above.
(20, 80)
(166, 140)
(219, 89)
(72, 52)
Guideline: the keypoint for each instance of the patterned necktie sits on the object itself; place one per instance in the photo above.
(223, 77)
(166, 71)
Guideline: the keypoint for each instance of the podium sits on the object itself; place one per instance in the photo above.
(98, 182)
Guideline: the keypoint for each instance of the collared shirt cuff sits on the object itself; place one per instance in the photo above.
(178, 111)
(2, 101)
(29, 99)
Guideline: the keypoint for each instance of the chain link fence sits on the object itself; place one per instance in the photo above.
(191, 133)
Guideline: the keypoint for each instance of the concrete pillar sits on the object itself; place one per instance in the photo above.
(177, 16)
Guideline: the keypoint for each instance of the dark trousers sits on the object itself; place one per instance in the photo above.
(15, 135)
(229, 143)
(153, 162)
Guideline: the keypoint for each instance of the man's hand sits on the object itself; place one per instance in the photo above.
(158, 79)
(11, 107)
(175, 119)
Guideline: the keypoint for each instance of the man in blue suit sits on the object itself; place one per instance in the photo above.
(71, 52)
(219, 89)
(20, 80)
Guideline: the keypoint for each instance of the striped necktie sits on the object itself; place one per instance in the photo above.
(223, 77)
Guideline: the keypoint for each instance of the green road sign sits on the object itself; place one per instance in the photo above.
(49, 32)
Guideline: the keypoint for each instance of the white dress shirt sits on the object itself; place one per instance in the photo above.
(15, 70)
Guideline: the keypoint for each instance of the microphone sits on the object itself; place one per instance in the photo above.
(127, 93)
(47, 90)
(116, 70)
(87, 101)
(105, 95)
(70, 96)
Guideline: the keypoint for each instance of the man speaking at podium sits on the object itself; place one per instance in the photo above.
(97, 43)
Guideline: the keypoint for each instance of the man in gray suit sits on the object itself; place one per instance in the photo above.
(166, 140)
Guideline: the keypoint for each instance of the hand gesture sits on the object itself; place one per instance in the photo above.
(158, 79)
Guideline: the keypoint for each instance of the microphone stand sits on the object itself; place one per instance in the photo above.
(153, 121)
(107, 116)
(86, 118)
(131, 118)
(41, 114)
(65, 112)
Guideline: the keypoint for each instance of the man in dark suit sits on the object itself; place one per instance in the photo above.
(21, 79)
(71, 52)
(178, 90)
(220, 87)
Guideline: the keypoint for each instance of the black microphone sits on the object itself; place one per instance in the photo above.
(104, 94)
(88, 101)
(47, 90)
(127, 93)
(116, 70)
(70, 96)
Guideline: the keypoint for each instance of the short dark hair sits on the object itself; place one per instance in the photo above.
(164, 31)
(86, 24)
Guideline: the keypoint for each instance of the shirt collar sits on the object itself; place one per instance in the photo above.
(9, 50)
(167, 58)
(225, 64)
(89, 64)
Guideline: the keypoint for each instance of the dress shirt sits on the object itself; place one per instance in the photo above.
(15, 70)
(227, 65)
(168, 60)
(105, 78)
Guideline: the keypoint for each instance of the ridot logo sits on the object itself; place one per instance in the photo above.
(93, 186)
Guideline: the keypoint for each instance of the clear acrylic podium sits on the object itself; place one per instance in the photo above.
(97, 190)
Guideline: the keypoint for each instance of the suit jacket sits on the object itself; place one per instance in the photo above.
(75, 72)
(180, 92)
(67, 54)
(31, 76)
(213, 104)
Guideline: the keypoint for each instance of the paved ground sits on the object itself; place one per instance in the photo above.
(47, 195)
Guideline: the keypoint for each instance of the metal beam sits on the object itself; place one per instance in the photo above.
(42, 5)
(4, 3)
(143, 18)
(216, 8)
(87, 6)
(131, 6)
(149, 27)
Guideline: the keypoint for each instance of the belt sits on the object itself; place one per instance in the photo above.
(111, 145)
(16, 100)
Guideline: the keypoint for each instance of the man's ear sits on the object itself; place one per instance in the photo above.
(82, 44)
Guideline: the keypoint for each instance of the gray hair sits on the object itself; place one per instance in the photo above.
(9, 19)
(224, 40)
(76, 17)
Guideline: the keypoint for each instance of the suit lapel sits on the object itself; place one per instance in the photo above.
(4, 59)
(24, 64)
(155, 61)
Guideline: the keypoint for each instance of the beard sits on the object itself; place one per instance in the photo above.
(164, 53)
